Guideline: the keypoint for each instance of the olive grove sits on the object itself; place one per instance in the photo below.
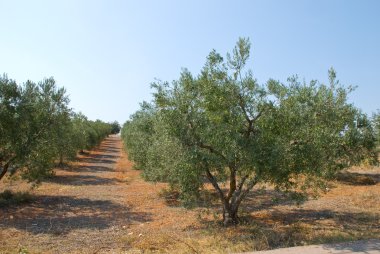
(223, 126)
(38, 129)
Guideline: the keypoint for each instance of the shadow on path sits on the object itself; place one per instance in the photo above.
(80, 180)
(69, 206)
(61, 214)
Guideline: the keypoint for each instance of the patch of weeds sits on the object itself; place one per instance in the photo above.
(23, 250)
(14, 198)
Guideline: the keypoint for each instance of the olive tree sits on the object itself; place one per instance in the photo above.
(37, 128)
(30, 115)
(376, 125)
(137, 134)
(236, 133)
(87, 134)
(96, 132)
(115, 127)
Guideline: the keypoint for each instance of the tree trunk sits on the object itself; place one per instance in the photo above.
(5, 170)
(230, 215)
(230, 203)
(60, 160)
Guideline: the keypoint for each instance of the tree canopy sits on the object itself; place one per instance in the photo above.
(115, 127)
(37, 128)
(223, 126)
(376, 124)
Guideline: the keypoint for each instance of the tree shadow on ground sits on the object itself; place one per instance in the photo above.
(102, 156)
(99, 158)
(80, 180)
(87, 168)
(362, 246)
(273, 218)
(263, 199)
(288, 228)
(109, 149)
(58, 215)
(109, 143)
(295, 227)
(256, 199)
(354, 178)
(353, 220)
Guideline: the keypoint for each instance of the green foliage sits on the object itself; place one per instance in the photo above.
(137, 134)
(86, 133)
(115, 127)
(223, 126)
(96, 131)
(152, 149)
(23, 250)
(30, 115)
(376, 125)
(77, 133)
(37, 128)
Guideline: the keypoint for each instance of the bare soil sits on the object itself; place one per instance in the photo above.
(99, 204)
(371, 246)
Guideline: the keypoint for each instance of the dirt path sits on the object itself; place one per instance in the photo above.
(97, 205)
(82, 209)
(101, 205)
(359, 247)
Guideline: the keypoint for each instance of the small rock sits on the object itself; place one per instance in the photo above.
(140, 235)
(130, 233)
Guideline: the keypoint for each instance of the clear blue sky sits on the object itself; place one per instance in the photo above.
(106, 53)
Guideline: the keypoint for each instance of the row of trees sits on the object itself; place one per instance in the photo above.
(38, 129)
(376, 124)
(224, 127)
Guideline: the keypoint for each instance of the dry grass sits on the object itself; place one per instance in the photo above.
(96, 207)
(349, 211)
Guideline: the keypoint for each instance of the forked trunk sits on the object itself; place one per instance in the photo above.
(230, 215)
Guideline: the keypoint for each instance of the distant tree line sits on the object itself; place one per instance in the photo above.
(115, 127)
(376, 124)
(223, 127)
(39, 130)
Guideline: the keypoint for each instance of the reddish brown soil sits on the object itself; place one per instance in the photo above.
(99, 204)
(92, 206)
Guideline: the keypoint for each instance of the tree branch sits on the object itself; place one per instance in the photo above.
(244, 193)
(242, 181)
(200, 144)
(242, 107)
(214, 183)
(232, 182)
(211, 149)
(257, 116)
(5, 170)
(236, 194)
(247, 117)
